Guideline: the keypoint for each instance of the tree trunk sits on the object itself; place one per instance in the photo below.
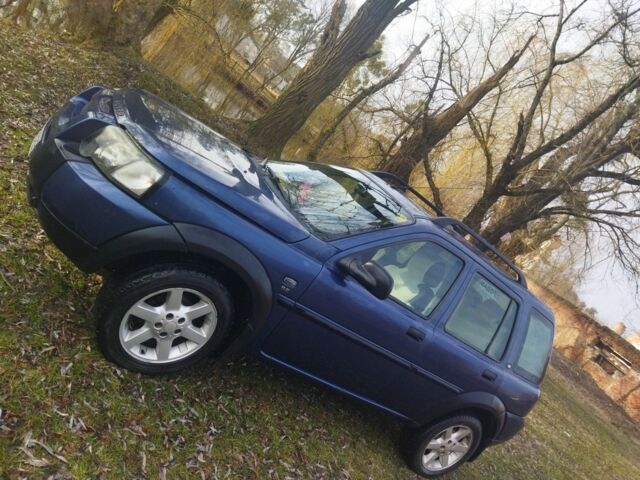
(412, 150)
(134, 19)
(359, 98)
(489, 197)
(328, 67)
(24, 10)
(518, 217)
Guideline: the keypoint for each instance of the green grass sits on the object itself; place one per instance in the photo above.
(67, 413)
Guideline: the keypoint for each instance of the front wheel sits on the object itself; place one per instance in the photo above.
(443, 446)
(162, 319)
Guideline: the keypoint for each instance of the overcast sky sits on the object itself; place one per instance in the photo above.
(606, 288)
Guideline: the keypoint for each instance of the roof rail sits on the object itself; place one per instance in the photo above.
(457, 224)
(406, 187)
(443, 221)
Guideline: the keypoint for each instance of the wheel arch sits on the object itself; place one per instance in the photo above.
(488, 408)
(199, 246)
(230, 253)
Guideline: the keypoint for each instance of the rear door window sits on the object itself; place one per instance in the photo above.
(484, 317)
(536, 348)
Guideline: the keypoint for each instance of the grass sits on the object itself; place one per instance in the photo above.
(67, 413)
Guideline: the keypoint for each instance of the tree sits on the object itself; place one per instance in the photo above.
(360, 97)
(546, 166)
(429, 127)
(338, 52)
(238, 54)
(571, 158)
(300, 40)
(568, 158)
(123, 21)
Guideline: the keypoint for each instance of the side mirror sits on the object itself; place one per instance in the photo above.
(370, 275)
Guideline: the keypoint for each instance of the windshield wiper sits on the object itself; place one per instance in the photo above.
(273, 178)
(388, 199)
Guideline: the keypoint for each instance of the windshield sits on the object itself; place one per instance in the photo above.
(335, 201)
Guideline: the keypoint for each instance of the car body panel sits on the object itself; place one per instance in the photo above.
(110, 213)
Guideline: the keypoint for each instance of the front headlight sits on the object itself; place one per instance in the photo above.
(120, 159)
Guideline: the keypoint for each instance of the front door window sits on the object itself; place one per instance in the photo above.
(422, 273)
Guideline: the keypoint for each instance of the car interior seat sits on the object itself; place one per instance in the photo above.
(432, 278)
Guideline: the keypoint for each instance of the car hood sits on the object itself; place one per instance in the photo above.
(206, 159)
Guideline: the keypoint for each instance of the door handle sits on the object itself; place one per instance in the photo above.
(416, 334)
(489, 375)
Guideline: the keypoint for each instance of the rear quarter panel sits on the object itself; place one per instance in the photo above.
(518, 394)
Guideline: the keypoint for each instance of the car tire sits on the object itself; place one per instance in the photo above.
(444, 446)
(162, 319)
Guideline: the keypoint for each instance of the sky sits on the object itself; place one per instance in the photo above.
(605, 287)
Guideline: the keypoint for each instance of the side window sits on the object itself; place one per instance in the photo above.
(536, 348)
(484, 317)
(422, 273)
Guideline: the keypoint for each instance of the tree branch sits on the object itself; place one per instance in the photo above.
(332, 28)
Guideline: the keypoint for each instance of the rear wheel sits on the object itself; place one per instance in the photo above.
(443, 446)
(162, 319)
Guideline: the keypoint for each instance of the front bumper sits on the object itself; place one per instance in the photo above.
(74, 247)
(79, 208)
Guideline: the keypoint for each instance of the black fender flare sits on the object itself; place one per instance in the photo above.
(486, 402)
(238, 258)
(183, 238)
(160, 238)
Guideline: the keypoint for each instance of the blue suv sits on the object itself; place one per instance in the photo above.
(332, 272)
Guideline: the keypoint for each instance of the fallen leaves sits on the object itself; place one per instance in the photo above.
(28, 445)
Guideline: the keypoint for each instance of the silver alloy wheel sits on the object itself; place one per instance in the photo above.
(168, 325)
(447, 448)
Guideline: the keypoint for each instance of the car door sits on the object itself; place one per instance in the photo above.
(341, 334)
(467, 346)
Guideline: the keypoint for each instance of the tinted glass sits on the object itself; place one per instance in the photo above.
(536, 348)
(499, 343)
(484, 317)
(422, 273)
(335, 201)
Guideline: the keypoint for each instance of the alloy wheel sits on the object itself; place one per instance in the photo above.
(168, 325)
(447, 448)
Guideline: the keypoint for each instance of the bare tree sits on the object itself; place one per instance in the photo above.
(572, 155)
(433, 124)
(433, 128)
(360, 97)
(581, 166)
(338, 52)
(518, 158)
